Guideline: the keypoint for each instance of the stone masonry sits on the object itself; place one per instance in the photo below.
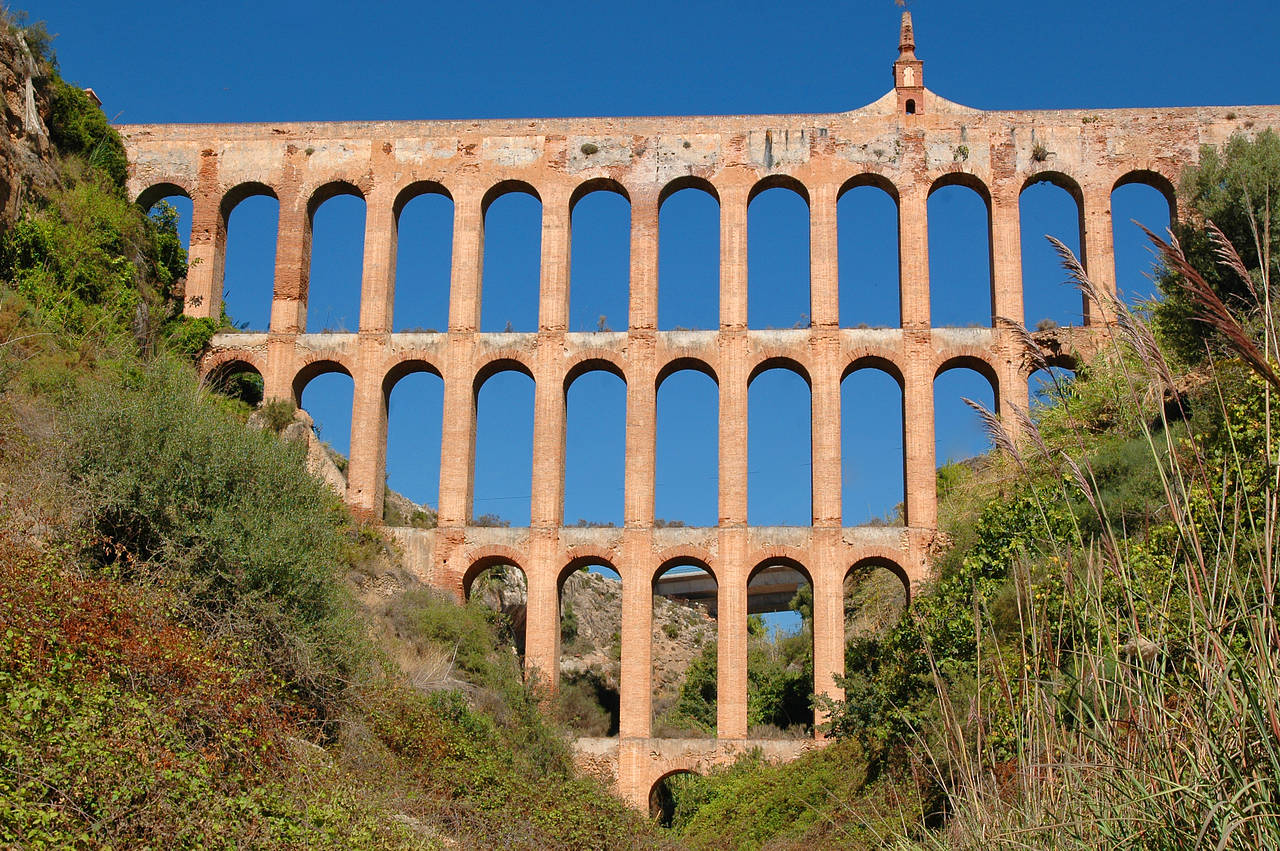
(909, 143)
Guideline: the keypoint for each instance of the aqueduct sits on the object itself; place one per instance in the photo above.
(909, 143)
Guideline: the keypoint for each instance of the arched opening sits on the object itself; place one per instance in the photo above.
(959, 434)
(324, 393)
(779, 651)
(684, 663)
(512, 259)
(1049, 205)
(238, 380)
(424, 257)
(875, 599)
(600, 258)
(780, 484)
(595, 448)
(687, 453)
(500, 586)
(911, 106)
(171, 207)
(960, 284)
(867, 237)
(590, 647)
(415, 416)
(666, 793)
(252, 214)
(1146, 198)
(689, 258)
(337, 259)
(778, 256)
(1050, 386)
(872, 458)
(503, 475)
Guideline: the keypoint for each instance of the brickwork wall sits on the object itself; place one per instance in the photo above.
(909, 143)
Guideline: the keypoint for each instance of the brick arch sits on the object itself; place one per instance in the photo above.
(509, 360)
(161, 189)
(595, 360)
(506, 187)
(967, 180)
(873, 179)
(679, 363)
(888, 560)
(331, 189)
(321, 365)
(407, 367)
(776, 359)
(880, 363)
(597, 184)
(792, 557)
(688, 181)
(414, 190)
(483, 558)
(1156, 180)
(220, 359)
(585, 555)
(778, 181)
(976, 360)
(1060, 179)
(238, 192)
(684, 554)
(216, 371)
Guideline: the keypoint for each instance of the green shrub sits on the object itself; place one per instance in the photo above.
(78, 127)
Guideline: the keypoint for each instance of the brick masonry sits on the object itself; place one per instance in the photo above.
(909, 143)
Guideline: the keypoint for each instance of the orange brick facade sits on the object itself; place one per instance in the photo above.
(909, 143)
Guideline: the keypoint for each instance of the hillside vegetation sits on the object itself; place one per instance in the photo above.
(185, 659)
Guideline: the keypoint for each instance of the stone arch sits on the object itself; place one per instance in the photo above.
(1041, 210)
(779, 260)
(248, 271)
(596, 184)
(778, 181)
(681, 363)
(777, 574)
(873, 179)
(330, 189)
(507, 187)
(595, 360)
(238, 192)
(966, 179)
(160, 190)
(222, 377)
(313, 369)
(1060, 179)
(681, 555)
(769, 360)
(407, 367)
(977, 362)
(215, 361)
(888, 563)
(873, 437)
(661, 804)
(585, 555)
(595, 428)
(415, 189)
(688, 181)
(1156, 180)
(877, 362)
(502, 361)
(484, 558)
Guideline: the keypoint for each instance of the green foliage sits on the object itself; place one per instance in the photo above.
(79, 128)
(1236, 187)
(173, 489)
(278, 413)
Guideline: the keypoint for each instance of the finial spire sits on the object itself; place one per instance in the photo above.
(907, 41)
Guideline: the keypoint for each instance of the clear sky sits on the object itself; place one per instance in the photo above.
(323, 60)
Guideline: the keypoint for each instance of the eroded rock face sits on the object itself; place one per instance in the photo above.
(26, 155)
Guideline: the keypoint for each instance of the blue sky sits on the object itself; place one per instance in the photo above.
(324, 60)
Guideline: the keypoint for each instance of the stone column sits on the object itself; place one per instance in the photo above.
(377, 285)
(1006, 254)
(733, 358)
(546, 508)
(913, 255)
(458, 431)
(208, 250)
(824, 426)
(636, 686)
(542, 616)
(643, 288)
(366, 469)
(731, 647)
(824, 271)
(733, 257)
(828, 628)
(553, 283)
(1097, 245)
(293, 267)
(918, 438)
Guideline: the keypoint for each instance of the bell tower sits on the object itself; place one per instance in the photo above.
(908, 72)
